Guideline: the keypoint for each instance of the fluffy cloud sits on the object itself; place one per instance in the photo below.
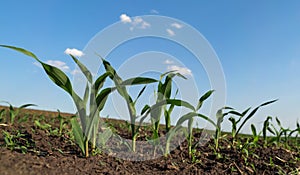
(176, 25)
(136, 22)
(125, 19)
(181, 70)
(59, 64)
(168, 62)
(74, 52)
(170, 32)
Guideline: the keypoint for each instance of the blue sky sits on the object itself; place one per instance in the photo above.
(257, 42)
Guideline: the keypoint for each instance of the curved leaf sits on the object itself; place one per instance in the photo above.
(83, 69)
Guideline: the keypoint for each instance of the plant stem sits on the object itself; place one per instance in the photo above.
(87, 148)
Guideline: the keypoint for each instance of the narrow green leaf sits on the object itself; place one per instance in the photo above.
(83, 69)
(145, 109)
(252, 113)
(138, 81)
(86, 94)
(265, 127)
(183, 103)
(100, 82)
(203, 98)
(190, 115)
(26, 105)
(78, 134)
(21, 50)
(140, 93)
(102, 97)
(253, 130)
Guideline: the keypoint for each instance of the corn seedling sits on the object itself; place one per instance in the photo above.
(189, 117)
(279, 134)
(255, 135)
(236, 130)
(13, 112)
(121, 88)
(12, 141)
(61, 123)
(220, 118)
(89, 122)
(164, 91)
(2, 113)
(265, 129)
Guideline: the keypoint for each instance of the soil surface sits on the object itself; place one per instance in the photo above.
(39, 147)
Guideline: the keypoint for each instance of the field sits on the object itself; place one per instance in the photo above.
(42, 142)
(38, 143)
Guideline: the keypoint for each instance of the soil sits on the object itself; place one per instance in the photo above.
(39, 150)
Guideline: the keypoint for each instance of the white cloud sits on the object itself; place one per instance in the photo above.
(181, 70)
(125, 18)
(136, 22)
(170, 32)
(139, 23)
(176, 25)
(59, 64)
(74, 52)
(153, 11)
(168, 61)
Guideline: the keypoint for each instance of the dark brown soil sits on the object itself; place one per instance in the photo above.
(44, 151)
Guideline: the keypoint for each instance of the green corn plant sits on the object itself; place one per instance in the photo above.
(121, 88)
(220, 115)
(2, 112)
(167, 114)
(176, 102)
(297, 131)
(188, 117)
(236, 130)
(164, 91)
(255, 135)
(279, 133)
(61, 122)
(265, 129)
(13, 112)
(89, 122)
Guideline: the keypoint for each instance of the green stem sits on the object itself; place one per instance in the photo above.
(87, 148)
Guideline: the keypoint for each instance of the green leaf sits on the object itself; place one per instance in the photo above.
(265, 127)
(254, 133)
(26, 105)
(78, 134)
(100, 82)
(183, 103)
(56, 75)
(203, 98)
(83, 69)
(252, 113)
(138, 81)
(145, 109)
(140, 93)
(86, 94)
(190, 115)
(26, 52)
(102, 97)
